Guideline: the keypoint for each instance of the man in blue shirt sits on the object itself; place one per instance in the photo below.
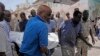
(35, 40)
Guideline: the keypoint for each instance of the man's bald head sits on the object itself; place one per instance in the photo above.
(43, 8)
(44, 12)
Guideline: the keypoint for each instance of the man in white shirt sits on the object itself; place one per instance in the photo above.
(15, 23)
(5, 47)
(59, 21)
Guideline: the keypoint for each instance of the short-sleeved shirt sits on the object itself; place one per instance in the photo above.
(59, 22)
(69, 33)
(35, 36)
(86, 26)
(51, 25)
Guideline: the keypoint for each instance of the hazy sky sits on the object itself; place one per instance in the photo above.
(11, 4)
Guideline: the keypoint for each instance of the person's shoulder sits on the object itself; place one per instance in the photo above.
(68, 21)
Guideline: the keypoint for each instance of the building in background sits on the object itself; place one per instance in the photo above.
(56, 7)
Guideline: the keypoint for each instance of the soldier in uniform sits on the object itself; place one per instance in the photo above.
(86, 30)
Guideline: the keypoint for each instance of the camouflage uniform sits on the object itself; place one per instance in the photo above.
(82, 47)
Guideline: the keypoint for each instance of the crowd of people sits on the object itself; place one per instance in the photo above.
(73, 33)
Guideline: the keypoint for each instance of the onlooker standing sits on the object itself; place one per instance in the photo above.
(15, 23)
(5, 46)
(23, 22)
(7, 17)
(51, 24)
(59, 21)
(35, 40)
(68, 16)
(85, 31)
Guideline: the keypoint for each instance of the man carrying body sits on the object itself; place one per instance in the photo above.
(85, 31)
(35, 40)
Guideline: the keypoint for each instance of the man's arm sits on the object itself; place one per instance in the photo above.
(93, 41)
(43, 39)
(82, 38)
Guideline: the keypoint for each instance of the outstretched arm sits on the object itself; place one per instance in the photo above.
(93, 41)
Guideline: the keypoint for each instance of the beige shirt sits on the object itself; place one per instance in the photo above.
(86, 26)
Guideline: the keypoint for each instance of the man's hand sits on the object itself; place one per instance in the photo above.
(89, 45)
(43, 49)
(93, 42)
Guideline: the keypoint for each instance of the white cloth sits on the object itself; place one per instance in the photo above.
(17, 37)
(5, 45)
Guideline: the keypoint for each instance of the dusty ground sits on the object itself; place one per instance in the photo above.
(95, 51)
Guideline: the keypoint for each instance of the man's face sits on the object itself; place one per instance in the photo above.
(22, 16)
(47, 15)
(68, 15)
(33, 13)
(52, 17)
(58, 15)
(8, 17)
(85, 15)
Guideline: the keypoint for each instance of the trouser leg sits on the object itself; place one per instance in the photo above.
(67, 50)
(2, 54)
